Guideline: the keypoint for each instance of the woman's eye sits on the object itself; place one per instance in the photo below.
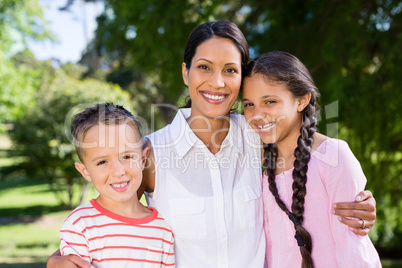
(203, 67)
(101, 163)
(232, 70)
(270, 102)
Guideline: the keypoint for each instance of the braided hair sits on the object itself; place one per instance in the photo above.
(287, 69)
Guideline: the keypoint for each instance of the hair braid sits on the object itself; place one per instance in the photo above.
(302, 154)
(284, 68)
(270, 157)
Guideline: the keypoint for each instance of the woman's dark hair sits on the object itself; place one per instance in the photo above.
(284, 68)
(208, 30)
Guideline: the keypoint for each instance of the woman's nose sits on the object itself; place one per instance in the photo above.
(217, 80)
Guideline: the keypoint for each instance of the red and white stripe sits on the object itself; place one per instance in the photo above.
(109, 240)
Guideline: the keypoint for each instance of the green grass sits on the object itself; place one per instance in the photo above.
(34, 192)
(36, 240)
(30, 220)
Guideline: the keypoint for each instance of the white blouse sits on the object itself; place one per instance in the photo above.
(212, 202)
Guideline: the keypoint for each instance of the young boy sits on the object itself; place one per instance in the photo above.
(115, 229)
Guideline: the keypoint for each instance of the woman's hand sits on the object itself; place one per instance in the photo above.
(360, 214)
(69, 261)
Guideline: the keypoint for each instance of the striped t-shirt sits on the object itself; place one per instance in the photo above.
(106, 239)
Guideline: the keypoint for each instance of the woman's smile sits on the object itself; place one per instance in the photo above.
(214, 97)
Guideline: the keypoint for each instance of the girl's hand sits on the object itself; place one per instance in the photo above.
(358, 214)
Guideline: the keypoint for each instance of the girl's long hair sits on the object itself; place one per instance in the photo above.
(285, 68)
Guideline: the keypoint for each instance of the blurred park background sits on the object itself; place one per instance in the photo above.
(352, 48)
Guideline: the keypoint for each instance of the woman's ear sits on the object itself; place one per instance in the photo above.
(184, 72)
(303, 102)
(83, 170)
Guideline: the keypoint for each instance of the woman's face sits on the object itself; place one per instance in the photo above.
(214, 77)
(271, 109)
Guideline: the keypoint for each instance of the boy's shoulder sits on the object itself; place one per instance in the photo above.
(86, 209)
(159, 220)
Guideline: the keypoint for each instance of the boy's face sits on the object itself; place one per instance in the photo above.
(113, 160)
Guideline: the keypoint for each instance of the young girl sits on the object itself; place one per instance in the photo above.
(305, 172)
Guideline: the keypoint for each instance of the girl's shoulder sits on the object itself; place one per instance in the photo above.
(330, 150)
(319, 139)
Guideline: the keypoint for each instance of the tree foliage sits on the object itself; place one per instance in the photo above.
(19, 21)
(42, 133)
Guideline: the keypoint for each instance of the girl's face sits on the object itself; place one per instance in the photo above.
(214, 77)
(271, 109)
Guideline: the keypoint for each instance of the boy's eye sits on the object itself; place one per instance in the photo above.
(127, 156)
(101, 163)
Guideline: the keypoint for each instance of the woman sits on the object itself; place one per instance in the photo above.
(204, 170)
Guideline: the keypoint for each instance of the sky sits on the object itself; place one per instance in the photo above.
(73, 29)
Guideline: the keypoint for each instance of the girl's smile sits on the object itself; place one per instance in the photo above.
(264, 126)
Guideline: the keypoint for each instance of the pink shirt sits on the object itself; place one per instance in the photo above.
(334, 175)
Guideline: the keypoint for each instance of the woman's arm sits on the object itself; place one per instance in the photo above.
(68, 261)
(148, 174)
(363, 208)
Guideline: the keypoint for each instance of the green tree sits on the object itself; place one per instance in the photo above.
(142, 43)
(19, 21)
(41, 133)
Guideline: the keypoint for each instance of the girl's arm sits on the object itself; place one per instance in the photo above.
(363, 208)
(342, 181)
